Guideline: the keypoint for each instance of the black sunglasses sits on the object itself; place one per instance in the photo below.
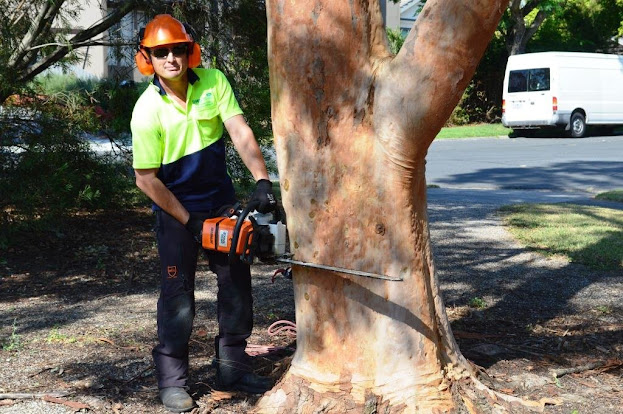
(163, 52)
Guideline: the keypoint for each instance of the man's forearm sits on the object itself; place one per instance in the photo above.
(254, 161)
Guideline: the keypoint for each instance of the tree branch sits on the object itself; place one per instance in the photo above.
(16, 14)
(79, 40)
(82, 44)
(441, 52)
(536, 23)
(529, 6)
(40, 22)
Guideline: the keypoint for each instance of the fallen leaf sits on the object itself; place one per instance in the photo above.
(221, 395)
(108, 341)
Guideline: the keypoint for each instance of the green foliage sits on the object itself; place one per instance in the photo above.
(115, 103)
(615, 195)
(581, 26)
(47, 167)
(604, 309)
(395, 40)
(53, 82)
(111, 101)
(55, 336)
(14, 342)
(478, 303)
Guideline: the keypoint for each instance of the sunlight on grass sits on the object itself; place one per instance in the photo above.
(589, 235)
(475, 130)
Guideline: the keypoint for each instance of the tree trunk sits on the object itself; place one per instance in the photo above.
(352, 126)
(518, 34)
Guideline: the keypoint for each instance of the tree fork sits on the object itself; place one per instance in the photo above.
(352, 126)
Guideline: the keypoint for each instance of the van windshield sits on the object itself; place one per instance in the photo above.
(528, 80)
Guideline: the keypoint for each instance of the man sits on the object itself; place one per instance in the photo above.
(179, 161)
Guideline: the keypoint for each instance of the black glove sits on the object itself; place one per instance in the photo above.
(195, 226)
(263, 195)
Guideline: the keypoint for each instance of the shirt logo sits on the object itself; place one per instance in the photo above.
(207, 99)
(172, 272)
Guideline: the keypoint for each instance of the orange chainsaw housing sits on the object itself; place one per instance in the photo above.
(218, 233)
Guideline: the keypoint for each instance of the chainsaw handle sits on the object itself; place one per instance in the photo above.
(234, 241)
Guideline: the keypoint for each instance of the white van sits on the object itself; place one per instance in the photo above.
(563, 89)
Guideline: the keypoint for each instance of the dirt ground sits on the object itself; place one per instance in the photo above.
(78, 321)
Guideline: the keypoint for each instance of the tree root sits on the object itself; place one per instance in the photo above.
(294, 394)
(480, 398)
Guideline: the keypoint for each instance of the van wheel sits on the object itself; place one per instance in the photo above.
(578, 125)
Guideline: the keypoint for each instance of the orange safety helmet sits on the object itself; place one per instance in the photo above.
(165, 29)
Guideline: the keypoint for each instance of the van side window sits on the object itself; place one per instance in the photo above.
(528, 80)
(518, 81)
(539, 80)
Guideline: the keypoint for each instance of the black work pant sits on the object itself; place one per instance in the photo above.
(176, 306)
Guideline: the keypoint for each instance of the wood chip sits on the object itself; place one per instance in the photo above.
(71, 404)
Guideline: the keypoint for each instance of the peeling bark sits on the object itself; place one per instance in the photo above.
(352, 126)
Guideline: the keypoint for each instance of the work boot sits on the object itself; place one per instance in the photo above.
(251, 383)
(176, 399)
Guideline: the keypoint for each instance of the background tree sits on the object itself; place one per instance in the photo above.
(522, 19)
(581, 26)
(352, 127)
(34, 35)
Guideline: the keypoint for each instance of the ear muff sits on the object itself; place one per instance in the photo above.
(194, 56)
(143, 63)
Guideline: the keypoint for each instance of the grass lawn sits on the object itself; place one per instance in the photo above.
(475, 130)
(584, 234)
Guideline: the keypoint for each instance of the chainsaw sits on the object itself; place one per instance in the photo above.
(245, 234)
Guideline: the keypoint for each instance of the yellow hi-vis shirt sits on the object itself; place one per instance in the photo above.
(186, 144)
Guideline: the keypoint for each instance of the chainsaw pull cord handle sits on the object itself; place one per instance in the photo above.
(234, 241)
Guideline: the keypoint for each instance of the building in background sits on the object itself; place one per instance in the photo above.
(391, 14)
(116, 62)
(409, 10)
(401, 15)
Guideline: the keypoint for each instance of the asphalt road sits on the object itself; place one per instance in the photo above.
(589, 165)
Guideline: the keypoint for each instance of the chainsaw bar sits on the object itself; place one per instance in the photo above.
(339, 269)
